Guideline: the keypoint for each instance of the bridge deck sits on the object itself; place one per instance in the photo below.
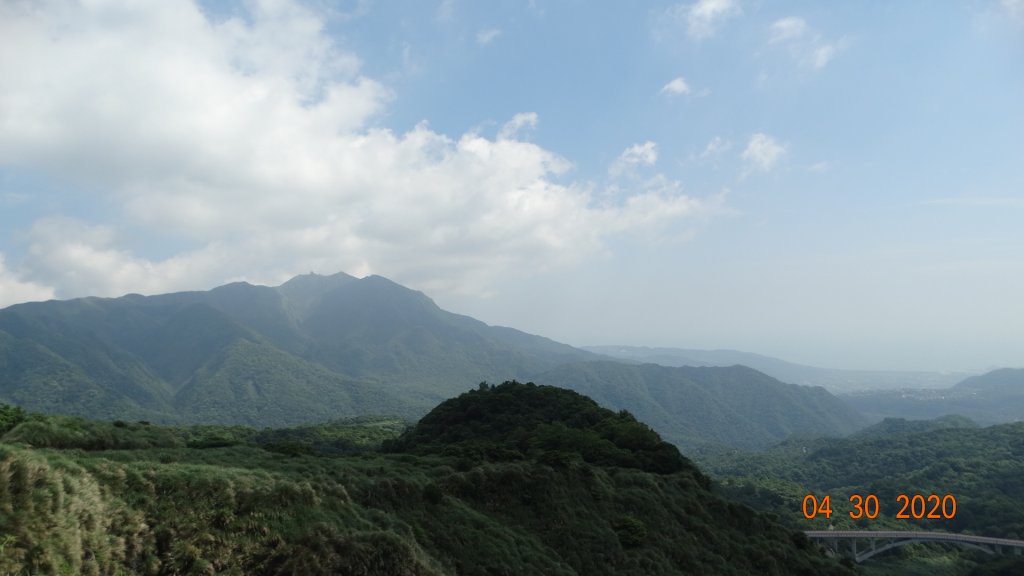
(914, 535)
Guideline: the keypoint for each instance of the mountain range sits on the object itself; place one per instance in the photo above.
(322, 347)
(991, 398)
(835, 380)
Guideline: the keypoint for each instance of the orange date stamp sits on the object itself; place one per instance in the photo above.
(913, 506)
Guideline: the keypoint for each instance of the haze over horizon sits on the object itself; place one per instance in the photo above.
(835, 185)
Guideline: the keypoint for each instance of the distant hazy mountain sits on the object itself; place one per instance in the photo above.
(1003, 382)
(323, 347)
(837, 381)
(689, 406)
(992, 398)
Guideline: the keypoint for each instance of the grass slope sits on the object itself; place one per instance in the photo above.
(136, 499)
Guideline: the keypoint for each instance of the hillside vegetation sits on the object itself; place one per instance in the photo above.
(735, 406)
(574, 489)
(983, 468)
(311, 349)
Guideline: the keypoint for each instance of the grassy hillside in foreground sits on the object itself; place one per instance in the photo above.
(541, 498)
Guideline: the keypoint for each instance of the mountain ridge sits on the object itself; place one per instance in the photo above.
(685, 403)
(994, 397)
(835, 380)
(321, 347)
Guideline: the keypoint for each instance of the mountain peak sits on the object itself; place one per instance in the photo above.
(302, 293)
(314, 279)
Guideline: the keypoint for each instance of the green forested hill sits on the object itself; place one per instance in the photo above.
(240, 353)
(735, 406)
(982, 468)
(535, 498)
(374, 328)
(318, 347)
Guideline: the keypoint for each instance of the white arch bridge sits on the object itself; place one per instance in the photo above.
(878, 541)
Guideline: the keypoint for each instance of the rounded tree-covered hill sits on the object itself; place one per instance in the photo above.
(513, 421)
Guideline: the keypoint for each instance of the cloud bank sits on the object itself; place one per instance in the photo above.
(253, 147)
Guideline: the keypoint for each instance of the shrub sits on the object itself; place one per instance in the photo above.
(11, 416)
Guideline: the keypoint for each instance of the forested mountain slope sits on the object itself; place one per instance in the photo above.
(981, 468)
(735, 406)
(320, 347)
(312, 347)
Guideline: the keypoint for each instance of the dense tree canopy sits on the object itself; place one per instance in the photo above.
(514, 421)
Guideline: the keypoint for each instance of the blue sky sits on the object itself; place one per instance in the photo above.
(839, 184)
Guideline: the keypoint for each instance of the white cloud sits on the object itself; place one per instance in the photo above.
(804, 44)
(522, 120)
(790, 28)
(714, 148)
(822, 55)
(486, 36)
(251, 146)
(411, 64)
(705, 16)
(676, 86)
(645, 154)
(13, 290)
(701, 19)
(763, 152)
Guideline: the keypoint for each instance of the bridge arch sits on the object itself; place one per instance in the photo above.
(892, 539)
(894, 543)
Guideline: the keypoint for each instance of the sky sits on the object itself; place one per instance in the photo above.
(837, 184)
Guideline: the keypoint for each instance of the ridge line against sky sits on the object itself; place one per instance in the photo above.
(838, 185)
